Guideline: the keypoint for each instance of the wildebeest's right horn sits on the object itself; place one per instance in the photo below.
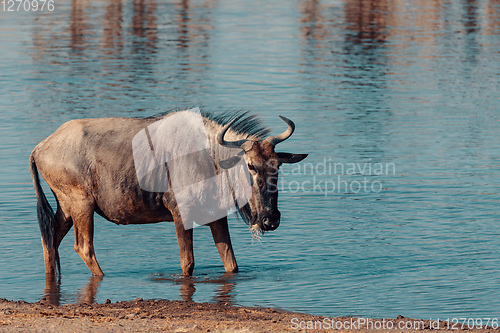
(283, 136)
(229, 144)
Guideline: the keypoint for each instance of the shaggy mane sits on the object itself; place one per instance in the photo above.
(245, 123)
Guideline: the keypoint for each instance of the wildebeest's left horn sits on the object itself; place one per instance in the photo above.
(283, 136)
(229, 144)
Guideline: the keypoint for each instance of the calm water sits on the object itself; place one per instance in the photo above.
(399, 96)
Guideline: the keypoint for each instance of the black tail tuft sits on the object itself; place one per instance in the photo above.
(46, 220)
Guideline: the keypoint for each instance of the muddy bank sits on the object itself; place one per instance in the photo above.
(181, 316)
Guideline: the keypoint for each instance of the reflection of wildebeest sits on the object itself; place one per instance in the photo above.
(89, 166)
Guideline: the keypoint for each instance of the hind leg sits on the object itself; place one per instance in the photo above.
(63, 224)
(82, 215)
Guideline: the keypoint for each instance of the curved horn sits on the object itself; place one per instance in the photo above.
(274, 140)
(229, 144)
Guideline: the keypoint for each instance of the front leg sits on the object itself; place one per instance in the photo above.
(185, 240)
(222, 239)
(184, 237)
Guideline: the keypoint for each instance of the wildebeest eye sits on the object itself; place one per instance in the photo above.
(251, 167)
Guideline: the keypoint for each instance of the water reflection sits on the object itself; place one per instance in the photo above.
(223, 294)
(492, 18)
(183, 19)
(112, 39)
(313, 21)
(133, 52)
(52, 291)
(144, 26)
(79, 25)
(368, 20)
(87, 295)
(470, 13)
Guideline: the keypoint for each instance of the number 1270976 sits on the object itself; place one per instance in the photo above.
(27, 5)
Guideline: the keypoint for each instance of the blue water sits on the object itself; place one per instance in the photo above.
(407, 90)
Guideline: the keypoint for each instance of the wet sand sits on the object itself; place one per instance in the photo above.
(181, 316)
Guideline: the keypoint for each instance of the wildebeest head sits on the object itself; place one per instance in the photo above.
(263, 163)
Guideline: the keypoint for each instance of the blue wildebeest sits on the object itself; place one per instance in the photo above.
(89, 166)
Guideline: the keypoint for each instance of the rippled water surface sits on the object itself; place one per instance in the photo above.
(396, 102)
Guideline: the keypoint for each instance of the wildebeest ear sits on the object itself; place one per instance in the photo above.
(246, 146)
(291, 158)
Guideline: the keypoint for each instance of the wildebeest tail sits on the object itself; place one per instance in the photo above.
(46, 220)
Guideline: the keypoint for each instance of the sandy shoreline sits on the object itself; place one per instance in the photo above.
(182, 316)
